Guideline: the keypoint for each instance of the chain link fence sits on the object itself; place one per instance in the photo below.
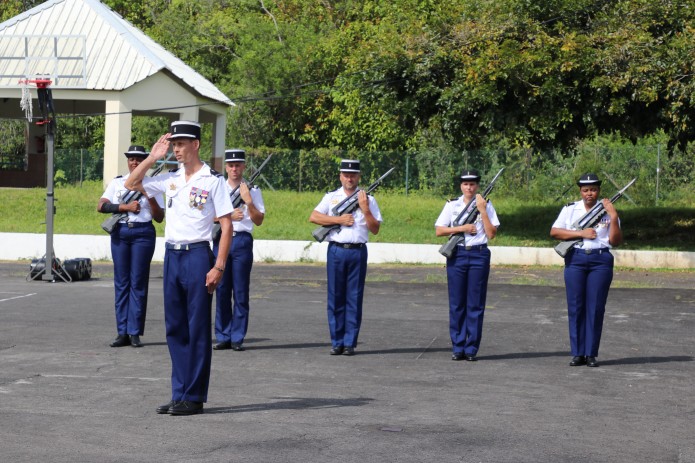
(528, 175)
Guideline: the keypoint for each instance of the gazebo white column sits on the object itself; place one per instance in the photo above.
(118, 125)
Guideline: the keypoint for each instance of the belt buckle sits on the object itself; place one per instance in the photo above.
(178, 247)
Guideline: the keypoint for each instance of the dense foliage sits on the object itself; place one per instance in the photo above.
(529, 80)
(395, 75)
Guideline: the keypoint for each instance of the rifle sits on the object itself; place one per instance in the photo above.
(235, 196)
(589, 220)
(468, 215)
(110, 222)
(346, 206)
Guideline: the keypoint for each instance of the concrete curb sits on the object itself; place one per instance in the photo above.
(18, 246)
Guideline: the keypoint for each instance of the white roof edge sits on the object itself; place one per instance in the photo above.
(158, 57)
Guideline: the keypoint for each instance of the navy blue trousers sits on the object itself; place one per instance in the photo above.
(187, 316)
(347, 270)
(467, 273)
(588, 278)
(232, 323)
(132, 250)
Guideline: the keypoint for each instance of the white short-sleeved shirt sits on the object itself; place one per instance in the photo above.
(573, 212)
(453, 208)
(358, 232)
(190, 206)
(116, 190)
(246, 224)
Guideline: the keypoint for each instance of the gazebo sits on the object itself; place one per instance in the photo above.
(99, 63)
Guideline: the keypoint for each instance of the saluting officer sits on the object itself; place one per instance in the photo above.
(195, 195)
(467, 271)
(231, 325)
(347, 256)
(588, 269)
(132, 247)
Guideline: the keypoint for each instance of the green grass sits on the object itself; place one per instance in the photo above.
(407, 219)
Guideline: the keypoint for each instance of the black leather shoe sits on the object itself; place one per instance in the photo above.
(470, 358)
(121, 340)
(186, 407)
(591, 362)
(164, 409)
(236, 347)
(578, 360)
(349, 351)
(135, 340)
(224, 345)
(457, 356)
(337, 350)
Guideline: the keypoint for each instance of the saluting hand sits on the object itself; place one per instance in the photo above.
(161, 147)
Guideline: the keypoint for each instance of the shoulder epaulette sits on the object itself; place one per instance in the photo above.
(215, 173)
(119, 176)
(173, 170)
(452, 199)
(571, 203)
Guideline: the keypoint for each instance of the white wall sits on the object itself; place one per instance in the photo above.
(17, 246)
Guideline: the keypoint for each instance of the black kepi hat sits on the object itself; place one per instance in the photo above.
(234, 155)
(349, 165)
(184, 129)
(470, 175)
(588, 179)
(136, 151)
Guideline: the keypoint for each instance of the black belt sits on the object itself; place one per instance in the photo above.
(187, 247)
(477, 247)
(348, 245)
(592, 251)
(135, 224)
(240, 233)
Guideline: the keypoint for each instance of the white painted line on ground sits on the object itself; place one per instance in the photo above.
(104, 377)
(17, 297)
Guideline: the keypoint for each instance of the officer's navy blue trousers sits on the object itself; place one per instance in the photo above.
(467, 274)
(231, 325)
(187, 316)
(587, 281)
(132, 250)
(347, 270)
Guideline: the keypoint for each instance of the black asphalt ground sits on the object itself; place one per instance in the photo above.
(65, 396)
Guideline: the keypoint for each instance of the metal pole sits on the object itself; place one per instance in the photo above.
(50, 208)
(407, 173)
(658, 170)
